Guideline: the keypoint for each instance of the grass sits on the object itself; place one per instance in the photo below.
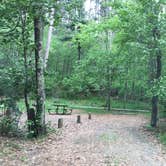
(108, 137)
(95, 111)
(100, 102)
(158, 133)
(95, 104)
(150, 128)
(162, 137)
(92, 104)
(88, 104)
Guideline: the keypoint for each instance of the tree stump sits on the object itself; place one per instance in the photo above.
(89, 116)
(79, 119)
(31, 120)
(60, 123)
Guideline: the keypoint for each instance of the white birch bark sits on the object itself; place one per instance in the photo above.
(48, 43)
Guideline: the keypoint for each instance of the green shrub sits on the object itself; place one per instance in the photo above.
(163, 138)
(8, 127)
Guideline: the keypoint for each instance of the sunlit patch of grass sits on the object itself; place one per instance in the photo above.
(94, 111)
(162, 137)
(90, 102)
(105, 137)
(149, 128)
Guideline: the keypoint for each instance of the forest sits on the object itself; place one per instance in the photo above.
(83, 82)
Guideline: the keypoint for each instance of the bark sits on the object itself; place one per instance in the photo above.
(157, 74)
(49, 37)
(79, 51)
(109, 75)
(125, 93)
(108, 89)
(154, 115)
(32, 122)
(154, 111)
(40, 94)
(79, 46)
(132, 97)
(26, 81)
(23, 22)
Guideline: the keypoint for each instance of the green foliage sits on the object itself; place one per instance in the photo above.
(10, 80)
(116, 49)
(8, 127)
(88, 104)
(163, 138)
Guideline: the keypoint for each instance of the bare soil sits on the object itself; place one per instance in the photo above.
(106, 140)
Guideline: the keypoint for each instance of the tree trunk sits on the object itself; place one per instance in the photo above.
(32, 122)
(79, 51)
(125, 93)
(23, 23)
(154, 114)
(109, 102)
(49, 37)
(154, 111)
(157, 74)
(132, 97)
(79, 45)
(40, 94)
(108, 89)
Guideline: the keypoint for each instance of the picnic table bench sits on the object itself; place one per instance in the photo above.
(58, 107)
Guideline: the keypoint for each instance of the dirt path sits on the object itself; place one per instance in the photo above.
(106, 140)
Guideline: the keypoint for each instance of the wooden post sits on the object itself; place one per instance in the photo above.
(89, 116)
(78, 119)
(60, 123)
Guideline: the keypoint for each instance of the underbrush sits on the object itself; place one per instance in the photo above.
(162, 137)
(158, 132)
(8, 126)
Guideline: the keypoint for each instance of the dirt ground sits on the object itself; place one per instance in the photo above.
(106, 140)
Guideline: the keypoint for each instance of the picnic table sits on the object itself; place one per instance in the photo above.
(58, 107)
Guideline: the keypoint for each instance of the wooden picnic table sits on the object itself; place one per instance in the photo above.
(64, 107)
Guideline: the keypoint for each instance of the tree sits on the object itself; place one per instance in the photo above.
(39, 65)
(48, 43)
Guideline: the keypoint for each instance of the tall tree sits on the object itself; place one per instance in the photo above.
(156, 53)
(40, 93)
(48, 43)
